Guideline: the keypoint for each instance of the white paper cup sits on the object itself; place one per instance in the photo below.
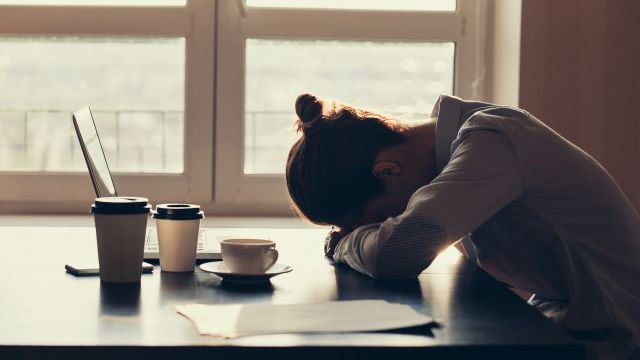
(248, 256)
(121, 224)
(178, 226)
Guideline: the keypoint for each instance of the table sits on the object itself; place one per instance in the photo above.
(45, 311)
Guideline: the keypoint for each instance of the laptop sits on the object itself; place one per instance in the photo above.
(208, 246)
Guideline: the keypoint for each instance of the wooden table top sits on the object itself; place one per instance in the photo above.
(44, 310)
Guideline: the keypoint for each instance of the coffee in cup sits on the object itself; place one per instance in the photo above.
(121, 225)
(178, 227)
(248, 256)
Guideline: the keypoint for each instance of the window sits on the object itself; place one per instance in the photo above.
(391, 57)
(135, 87)
(403, 81)
(194, 98)
(145, 68)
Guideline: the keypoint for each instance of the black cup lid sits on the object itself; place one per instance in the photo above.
(178, 212)
(121, 205)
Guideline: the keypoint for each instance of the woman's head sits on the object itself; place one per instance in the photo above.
(329, 168)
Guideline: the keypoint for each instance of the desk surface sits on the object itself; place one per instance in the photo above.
(44, 310)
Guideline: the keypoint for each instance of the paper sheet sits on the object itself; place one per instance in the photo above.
(231, 321)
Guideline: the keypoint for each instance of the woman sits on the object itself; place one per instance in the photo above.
(525, 204)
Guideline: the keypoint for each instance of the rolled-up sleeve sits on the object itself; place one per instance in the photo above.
(483, 175)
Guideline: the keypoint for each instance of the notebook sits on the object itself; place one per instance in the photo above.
(208, 246)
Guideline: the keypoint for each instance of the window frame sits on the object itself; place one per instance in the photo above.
(71, 192)
(266, 193)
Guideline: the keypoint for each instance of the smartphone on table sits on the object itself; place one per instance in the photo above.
(91, 269)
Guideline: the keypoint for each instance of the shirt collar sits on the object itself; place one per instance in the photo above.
(447, 111)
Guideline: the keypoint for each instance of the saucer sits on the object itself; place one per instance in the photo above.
(219, 268)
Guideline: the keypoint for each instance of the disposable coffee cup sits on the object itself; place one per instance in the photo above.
(248, 256)
(121, 225)
(178, 226)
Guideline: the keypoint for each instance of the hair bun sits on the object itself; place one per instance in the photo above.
(308, 109)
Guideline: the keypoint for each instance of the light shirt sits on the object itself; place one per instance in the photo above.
(532, 209)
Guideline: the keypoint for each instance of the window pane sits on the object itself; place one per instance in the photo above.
(406, 5)
(97, 2)
(399, 79)
(135, 87)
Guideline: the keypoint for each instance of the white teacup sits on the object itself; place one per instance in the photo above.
(248, 256)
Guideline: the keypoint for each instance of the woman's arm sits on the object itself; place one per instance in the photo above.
(482, 177)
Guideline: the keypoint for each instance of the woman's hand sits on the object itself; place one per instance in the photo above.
(332, 240)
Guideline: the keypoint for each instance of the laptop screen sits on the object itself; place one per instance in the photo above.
(93, 153)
